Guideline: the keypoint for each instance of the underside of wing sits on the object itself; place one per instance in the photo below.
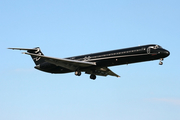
(102, 71)
(66, 63)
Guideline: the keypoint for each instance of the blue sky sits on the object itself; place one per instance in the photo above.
(64, 28)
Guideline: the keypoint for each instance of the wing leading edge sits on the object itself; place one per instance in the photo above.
(66, 63)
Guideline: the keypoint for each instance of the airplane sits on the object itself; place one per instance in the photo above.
(96, 63)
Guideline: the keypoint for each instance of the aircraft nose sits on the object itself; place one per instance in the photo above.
(166, 52)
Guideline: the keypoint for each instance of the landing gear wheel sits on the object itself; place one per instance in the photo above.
(92, 76)
(160, 63)
(78, 73)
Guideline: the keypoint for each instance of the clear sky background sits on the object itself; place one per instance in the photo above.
(64, 28)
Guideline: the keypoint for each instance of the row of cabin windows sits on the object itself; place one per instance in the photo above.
(118, 53)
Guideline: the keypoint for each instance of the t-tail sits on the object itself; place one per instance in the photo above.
(37, 60)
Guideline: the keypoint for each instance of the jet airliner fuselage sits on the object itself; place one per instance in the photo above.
(96, 63)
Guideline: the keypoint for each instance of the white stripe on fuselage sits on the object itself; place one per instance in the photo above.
(111, 57)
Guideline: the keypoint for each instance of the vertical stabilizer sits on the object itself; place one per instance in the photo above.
(37, 60)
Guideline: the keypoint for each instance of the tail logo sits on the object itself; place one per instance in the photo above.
(37, 58)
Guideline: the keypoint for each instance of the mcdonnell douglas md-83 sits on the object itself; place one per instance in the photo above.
(96, 63)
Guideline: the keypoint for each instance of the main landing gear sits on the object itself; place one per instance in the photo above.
(92, 76)
(161, 63)
(78, 73)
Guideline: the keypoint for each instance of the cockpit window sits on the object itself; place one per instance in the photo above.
(151, 47)
(157, 46)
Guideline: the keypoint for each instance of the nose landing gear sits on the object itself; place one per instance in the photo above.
(161, 63)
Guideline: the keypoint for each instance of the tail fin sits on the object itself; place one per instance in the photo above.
(37, 60)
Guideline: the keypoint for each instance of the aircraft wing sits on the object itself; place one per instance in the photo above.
(75, 64)
(66, 63)
(104, 71)
(111, 72)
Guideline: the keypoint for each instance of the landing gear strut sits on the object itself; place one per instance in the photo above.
(161, 63)
(78, 73)
(92, 76)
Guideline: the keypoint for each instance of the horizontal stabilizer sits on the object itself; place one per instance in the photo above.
(22, 49)
(37, 60)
